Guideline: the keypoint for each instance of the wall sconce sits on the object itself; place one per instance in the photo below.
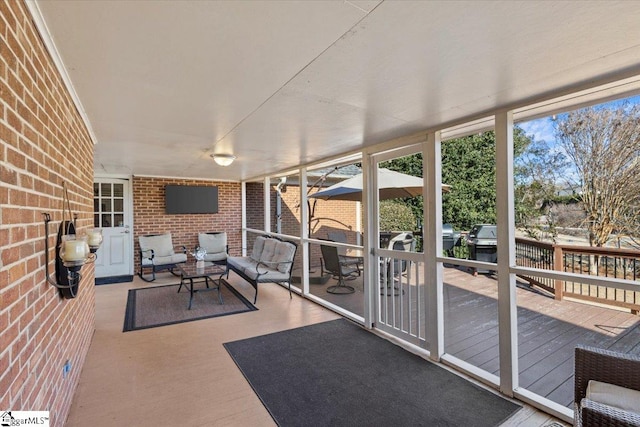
(72, 251)
(223, 159)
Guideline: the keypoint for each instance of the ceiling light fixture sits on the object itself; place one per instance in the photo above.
(223, 159)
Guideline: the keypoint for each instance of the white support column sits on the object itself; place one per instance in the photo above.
(267, 204)
(304, 231)
(359, 223)
(432, 244)
(369, 236)
(243, 223)
(507, 308)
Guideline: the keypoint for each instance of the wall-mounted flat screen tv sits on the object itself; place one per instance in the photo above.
(189, 199)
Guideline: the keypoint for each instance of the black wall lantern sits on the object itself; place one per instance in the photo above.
(72, 251)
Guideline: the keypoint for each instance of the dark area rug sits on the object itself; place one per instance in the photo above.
(163, 305)
(338, 374)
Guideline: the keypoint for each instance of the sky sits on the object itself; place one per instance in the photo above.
(543, 130)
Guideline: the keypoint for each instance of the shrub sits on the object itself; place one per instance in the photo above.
(396, 216)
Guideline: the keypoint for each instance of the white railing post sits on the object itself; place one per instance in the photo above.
(507, 307)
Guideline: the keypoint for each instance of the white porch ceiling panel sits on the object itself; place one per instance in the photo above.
(166, 83)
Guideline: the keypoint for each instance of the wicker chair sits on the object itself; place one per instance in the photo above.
(609, 367)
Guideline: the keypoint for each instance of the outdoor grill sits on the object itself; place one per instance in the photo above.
(450, 238)
(483, 243)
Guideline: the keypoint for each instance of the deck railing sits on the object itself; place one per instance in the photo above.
(592, 261)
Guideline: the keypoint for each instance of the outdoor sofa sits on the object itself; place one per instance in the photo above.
(271, 261)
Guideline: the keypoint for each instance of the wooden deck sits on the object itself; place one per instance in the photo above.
(548, 330)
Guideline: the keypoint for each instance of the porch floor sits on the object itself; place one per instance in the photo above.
(181, 374)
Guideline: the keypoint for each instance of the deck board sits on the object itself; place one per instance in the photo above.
(548, 331)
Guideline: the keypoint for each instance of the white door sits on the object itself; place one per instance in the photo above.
(400, 296)
(111, 205)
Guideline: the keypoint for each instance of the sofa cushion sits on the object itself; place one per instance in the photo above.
(258, 245)
(283, 256)
(242, 263)
(270, 275)
(268, 250)
(609, 394)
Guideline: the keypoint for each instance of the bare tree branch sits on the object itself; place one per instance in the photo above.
(604, 145)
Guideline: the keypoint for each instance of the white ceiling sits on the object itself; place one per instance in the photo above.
(283, 83)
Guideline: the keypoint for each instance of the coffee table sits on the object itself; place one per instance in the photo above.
(190, 272)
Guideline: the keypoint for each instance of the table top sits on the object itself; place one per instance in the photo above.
(189, 269)
(352, 252)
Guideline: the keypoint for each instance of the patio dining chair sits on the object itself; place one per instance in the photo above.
(341, 237)
(331, 263)
(393, 268)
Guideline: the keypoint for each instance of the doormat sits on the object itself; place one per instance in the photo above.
(113, 279)
(338, 374)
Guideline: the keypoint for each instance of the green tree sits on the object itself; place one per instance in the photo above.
(410, 165)
(468, 166)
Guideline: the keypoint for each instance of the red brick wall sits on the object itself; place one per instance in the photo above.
(149, 215)
(255, 205)
(43, 142)
(328, 216)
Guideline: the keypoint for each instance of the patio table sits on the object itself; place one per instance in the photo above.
(191, 270)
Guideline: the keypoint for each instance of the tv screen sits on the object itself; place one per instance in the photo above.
(186, 199)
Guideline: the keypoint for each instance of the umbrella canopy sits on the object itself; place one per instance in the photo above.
(393, 185)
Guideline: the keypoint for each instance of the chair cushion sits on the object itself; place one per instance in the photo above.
(213, 243)
(171, 259)
(609, 394)
(219, 256)
(162, 245)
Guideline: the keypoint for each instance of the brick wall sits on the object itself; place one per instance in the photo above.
(43, 142)
(149, 215)
(255, 205)
(329, 215)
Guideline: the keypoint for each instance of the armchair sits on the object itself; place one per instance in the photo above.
(215, 243)
(158, 253)
(607, 388)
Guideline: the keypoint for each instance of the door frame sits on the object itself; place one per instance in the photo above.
(373, 238)
(128, 210)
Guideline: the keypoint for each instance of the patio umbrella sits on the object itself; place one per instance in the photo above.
(393, 185)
